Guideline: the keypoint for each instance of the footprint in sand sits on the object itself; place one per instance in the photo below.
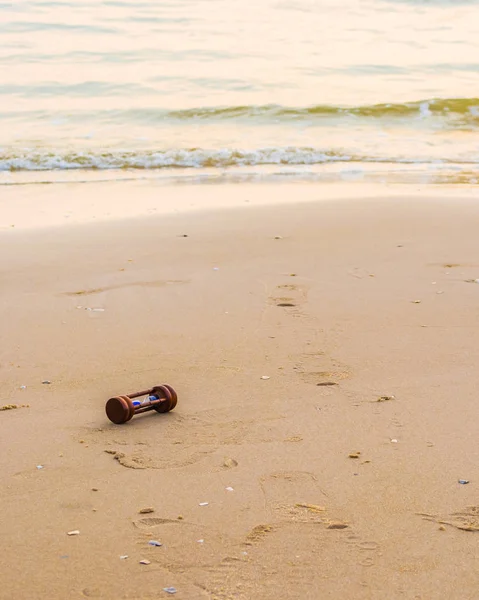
(297, 497)
(303, 553)
(147, 523)
(185, 545)
(317, 368)
(366, 550)
(211, 558)
(186, 440)
(290, 487)
(289, 296)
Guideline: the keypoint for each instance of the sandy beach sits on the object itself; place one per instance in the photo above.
(325, 358)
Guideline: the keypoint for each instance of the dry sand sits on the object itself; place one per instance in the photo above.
(202, 314)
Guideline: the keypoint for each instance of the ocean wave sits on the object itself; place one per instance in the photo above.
(34, 160)
(436, 106)
(195, 158)
(451, 112)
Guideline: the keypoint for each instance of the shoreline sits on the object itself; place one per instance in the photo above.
(66, 204)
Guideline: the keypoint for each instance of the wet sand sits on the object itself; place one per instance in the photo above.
(375, 304)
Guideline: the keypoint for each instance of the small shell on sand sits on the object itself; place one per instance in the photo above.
(146, 511)
(385, 398)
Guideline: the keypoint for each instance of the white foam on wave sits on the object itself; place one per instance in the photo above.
(35, 160)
